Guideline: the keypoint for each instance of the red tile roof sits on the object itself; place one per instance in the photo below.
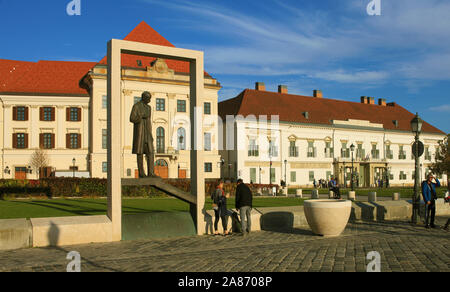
(144, 33)
(45, 77)
(291, 108)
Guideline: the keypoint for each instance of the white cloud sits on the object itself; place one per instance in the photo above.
(445, 108)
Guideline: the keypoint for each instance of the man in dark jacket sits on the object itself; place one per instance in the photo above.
(429, 197)
(244, 200)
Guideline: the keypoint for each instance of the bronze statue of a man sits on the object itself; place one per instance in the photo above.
(142, 134)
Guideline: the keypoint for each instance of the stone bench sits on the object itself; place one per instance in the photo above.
(15, 234)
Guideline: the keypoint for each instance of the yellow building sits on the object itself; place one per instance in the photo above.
(61, 107)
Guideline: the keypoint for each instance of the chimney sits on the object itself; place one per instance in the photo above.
(382, 101)
(282, 89)
(260, 86)
(318, 93)
(364, 99)
(391, 104)
(371, 100)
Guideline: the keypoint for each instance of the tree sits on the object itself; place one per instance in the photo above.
(39, 159)
(442, 163)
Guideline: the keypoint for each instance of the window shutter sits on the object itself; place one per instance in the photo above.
(41, 113)
(14, 138)
(68, 114)
(53, 114)
(26, 140)
(41, 141)
(15, 113)
(26, 113)
(79, 141)
(53, 141)
(68, 141)
(79, 114)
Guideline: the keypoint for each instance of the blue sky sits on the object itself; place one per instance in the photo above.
(402, 55)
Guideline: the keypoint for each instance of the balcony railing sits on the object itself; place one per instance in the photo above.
(166, 151)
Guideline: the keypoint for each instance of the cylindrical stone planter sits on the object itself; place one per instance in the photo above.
(259, 192)
(352, 195)
(395, 196)
(327, 217)
(372, 196)
(299, 193)
(315, 194)
(285, 191)
(331, 195)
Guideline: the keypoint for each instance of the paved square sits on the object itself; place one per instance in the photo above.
(402, 248)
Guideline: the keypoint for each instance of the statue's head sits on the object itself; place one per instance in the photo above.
(146, 97)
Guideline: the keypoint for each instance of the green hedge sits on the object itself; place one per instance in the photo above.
(93, 187)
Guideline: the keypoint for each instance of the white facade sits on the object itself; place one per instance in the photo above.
(304, 152)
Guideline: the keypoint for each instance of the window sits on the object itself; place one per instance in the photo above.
(253, 149)
(208, 167)
(360, 152)
(401, 153)
(207, 142)
(20, 141)
(311, 150)
(73, 141)
(181, 136)
(207, 108)
(293, 150)
(104, 101)
(47, 114)
(252, 175)
(160, 140)
(328, 150)
(47, 141)
(293, 177)
(181, 106)
(272, 175)
(20, 113)
(403, 175)
(375, 152)
(104, 167)
(328, 175)
(160, 104)
(73, 114)
(427, 153)
(311, 176)
(345, 152)
(128, 172)
(104, 138)
(273, 149)
(389, 152)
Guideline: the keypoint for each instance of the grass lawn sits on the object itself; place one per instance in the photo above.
(10, 209)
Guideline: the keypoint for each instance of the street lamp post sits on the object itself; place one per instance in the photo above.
(416, 127)
(285, 171)
(73, 168)
(352, 148)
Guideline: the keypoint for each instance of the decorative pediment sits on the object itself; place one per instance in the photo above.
(292, 138)
(160, 66)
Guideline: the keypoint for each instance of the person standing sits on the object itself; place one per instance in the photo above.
(429, 196)
(244, 204)
(220, 209)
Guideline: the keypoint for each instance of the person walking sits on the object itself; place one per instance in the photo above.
(220, 209)
(429, 196)
(244, 204)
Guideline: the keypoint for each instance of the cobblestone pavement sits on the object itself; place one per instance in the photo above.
(402, 248)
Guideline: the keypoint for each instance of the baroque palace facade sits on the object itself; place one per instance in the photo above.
(60, 107)
(308, 138)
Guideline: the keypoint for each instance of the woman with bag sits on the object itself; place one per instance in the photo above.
(220, 208)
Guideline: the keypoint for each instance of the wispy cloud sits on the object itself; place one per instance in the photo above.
(445, 108)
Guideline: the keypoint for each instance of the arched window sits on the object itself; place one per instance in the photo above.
(181, 139)
(160, 140)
